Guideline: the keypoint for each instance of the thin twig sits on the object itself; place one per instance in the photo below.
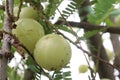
(89, 66)
(19, 9)
(8, 11)
(64, 20)
(89, 54)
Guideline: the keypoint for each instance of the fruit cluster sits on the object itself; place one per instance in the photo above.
(50, 51)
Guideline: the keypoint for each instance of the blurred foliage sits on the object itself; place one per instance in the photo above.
(69, 10)
(12, 73)
(62, 75)
(102, 9)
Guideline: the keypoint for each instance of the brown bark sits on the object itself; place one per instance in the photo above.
(29, 74)
(96, 47)
(2, 7)
(88, 26)
(5, 51)
(104, 70)
(116, 47)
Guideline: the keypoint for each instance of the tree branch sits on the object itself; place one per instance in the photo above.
(87, 26)
(2, 7)
(29, 74)
(5, 51)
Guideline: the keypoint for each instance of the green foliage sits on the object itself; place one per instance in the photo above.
(101, 11)
(16, 2)
(51, 7)
(30, 61)
(31, 64)
(62, 74)
(1, 23)
(94, 1)
(109, 22)
(12, 73)
(47, 28)
(13, 49)
(115, 12)
(78, 2)
(70, 9)
(66, 29)
(89, 34)
(1, 18)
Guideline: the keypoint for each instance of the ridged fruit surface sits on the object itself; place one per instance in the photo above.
(26, 12)
(28, 32)
(52, 52)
